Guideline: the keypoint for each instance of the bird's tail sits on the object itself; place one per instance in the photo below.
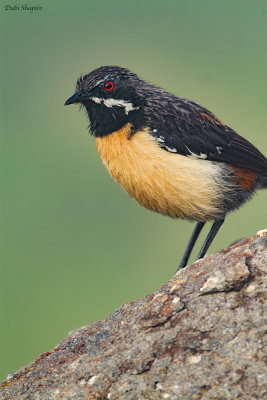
(263, 176)
(263, 182)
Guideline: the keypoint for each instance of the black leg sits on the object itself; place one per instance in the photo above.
(191, 243)
(212, 233)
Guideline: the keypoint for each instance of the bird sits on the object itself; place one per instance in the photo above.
(169, 153)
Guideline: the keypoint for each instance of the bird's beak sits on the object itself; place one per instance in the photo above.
(75, 98)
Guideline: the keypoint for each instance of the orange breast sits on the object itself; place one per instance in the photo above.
(161, 181)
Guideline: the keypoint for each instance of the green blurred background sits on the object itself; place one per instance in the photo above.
(74, 245)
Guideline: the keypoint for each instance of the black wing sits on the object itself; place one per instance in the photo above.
(184, 127)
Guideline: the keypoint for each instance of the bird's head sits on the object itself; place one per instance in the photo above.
(113, 96)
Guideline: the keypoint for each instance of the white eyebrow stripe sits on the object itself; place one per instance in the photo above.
(114, 102)
(100, 81)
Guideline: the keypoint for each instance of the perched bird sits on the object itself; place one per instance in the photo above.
(170, 154)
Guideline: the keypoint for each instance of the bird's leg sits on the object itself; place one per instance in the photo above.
(211, 235)
(191, 243)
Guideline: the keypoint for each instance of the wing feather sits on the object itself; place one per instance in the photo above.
(194, 131)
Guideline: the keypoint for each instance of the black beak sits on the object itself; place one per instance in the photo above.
(76, 98)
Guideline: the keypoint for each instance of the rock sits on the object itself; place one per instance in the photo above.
(200, 336)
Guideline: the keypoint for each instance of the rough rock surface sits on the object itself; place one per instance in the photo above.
(200, 336)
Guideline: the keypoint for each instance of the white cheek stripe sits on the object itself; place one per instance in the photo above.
(97, 100)
(113, 102)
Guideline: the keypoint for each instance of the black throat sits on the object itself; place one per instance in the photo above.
(106, 120)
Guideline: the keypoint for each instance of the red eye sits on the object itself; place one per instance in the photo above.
(109, 86)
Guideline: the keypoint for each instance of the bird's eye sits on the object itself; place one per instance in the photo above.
(109, 86)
